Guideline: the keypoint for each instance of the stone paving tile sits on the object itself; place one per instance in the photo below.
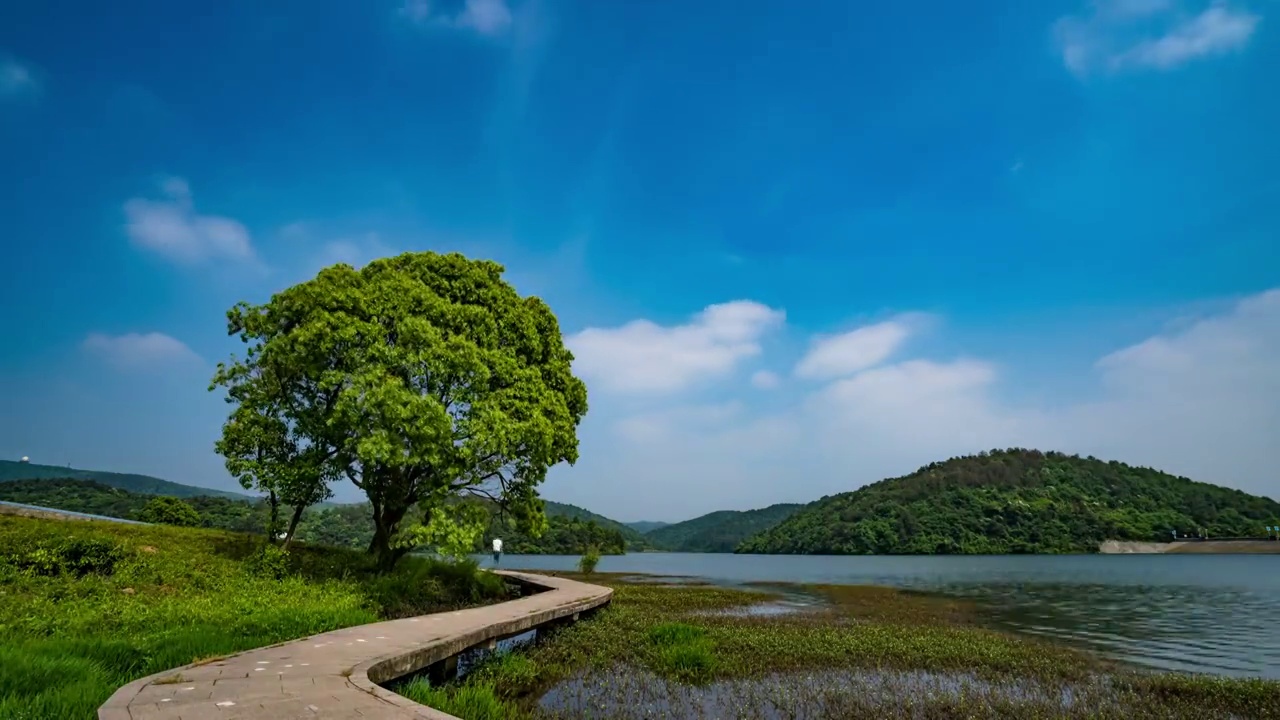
(327, 676)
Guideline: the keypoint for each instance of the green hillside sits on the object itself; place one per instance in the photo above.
(1015, 501)
(144, 484)
(720, 531)
(351, 526)
(646, 526)
(636, 542)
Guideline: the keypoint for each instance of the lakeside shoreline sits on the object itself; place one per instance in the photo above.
(688, 649)
(1197, 547)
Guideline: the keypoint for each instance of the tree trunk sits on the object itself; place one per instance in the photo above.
(386, 518)
(274, 521)
(293, 524)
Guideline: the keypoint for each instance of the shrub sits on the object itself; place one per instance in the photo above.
(166, 510)
(72, 556)
(270, 561)
(421, 585)
(587, 563)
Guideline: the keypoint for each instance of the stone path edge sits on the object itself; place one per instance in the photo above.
(558, 599)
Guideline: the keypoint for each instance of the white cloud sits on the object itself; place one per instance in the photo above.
(764, 380)
(486, 17)
(1215, 31)
(174, 229)
(140, 351)
(643, 357)
(1200, 400)
(864, 347)
(17, 79)
(1150, 34)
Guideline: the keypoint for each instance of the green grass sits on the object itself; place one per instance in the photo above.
(475, 701)
(86, 607)
(668, 650)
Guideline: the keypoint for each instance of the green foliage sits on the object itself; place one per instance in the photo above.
(349, 526)
(270, 562)
(719, 531)
(562, 536)
(169, 511)
(635, 541)
(419, 377)
(1015, 501)
(452, 529)
(128, 600)
(76, 556)
(141, 484)
(587, 563)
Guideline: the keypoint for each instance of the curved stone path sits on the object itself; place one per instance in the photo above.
(335, 675)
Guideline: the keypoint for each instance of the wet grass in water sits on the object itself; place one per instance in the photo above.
(667, 651)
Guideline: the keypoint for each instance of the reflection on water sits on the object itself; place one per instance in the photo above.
(635, 693)
(1203, 613)
(470, 659)
(1228, 631)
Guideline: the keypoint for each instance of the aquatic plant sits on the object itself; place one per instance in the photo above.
(670, 651)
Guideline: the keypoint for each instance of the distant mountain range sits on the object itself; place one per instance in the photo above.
(636, 540)
(142, 484)
(719, 531)
(1003, 501)
(644, 526)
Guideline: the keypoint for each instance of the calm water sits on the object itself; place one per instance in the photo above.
(1204, 613)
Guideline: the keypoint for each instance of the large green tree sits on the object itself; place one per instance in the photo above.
(422, 378)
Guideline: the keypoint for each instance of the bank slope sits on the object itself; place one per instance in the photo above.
(720, 531)
(141, 484)
(1015, 501)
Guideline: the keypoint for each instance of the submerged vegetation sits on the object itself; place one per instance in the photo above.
(1016, 501)
(690, 651)
(85, 607)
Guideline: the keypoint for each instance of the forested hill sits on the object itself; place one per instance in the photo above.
(634, 540)
(645, 526)
(143, 484)
(720, 531)
(568, 533)
(1015, 501)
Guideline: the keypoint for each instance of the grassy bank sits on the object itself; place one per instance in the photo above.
(697, 651)
(85, 607)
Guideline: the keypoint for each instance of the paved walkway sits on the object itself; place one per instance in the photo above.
(335, 675)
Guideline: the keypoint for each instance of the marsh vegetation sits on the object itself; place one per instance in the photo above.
(697, 651)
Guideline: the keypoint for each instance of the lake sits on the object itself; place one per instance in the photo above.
(1202, 613)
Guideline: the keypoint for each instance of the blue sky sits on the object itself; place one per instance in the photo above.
(795, 250)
